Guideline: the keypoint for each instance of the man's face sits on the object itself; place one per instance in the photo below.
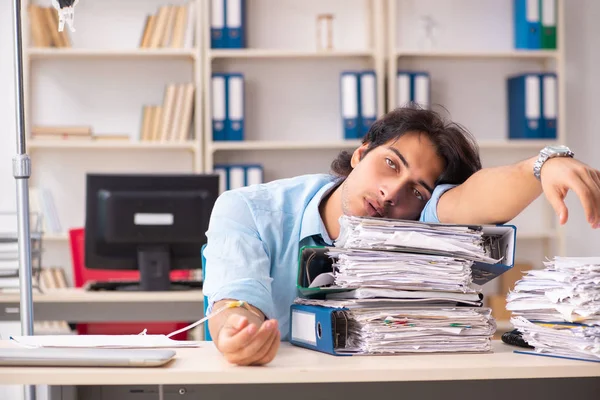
(393, 180)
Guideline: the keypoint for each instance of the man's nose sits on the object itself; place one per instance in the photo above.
(390, 191)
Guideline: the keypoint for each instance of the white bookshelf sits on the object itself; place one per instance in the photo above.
(39, 53)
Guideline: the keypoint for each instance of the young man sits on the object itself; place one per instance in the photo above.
(411, 165)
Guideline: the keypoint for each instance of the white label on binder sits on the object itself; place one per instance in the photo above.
(403, 89)
(533, 11)
(222, 178)
(218, 95)
(550, 97)
(422, 90)
(254, 175)
(532, 97)
(349, 96)
(217, 14)
(303, 327)
(367, 93)
(548, 12)
(152, 219)
(234, 13)
(236, 177)
(236, 98)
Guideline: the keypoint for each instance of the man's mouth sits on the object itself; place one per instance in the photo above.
(373, 209)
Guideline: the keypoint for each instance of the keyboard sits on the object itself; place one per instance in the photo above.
(134, 285)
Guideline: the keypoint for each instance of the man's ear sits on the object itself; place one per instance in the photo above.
(358, 155)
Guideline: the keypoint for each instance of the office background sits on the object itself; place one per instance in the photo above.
(60, 85)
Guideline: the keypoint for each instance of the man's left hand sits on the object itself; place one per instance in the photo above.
(559, 174)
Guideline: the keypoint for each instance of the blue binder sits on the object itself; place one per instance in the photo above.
(217, 24)
(420, 88)
(350, 104)
(223, 172)
(219, 106)
(235, 107)
(254, 174)
(549, 89)
(524, 106)
(235, 16)
(368, 101)
(318, 328)
(527, 25)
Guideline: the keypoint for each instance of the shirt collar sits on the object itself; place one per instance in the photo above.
(312, 223)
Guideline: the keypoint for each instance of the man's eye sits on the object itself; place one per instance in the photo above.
(418, 194)
(390, 163)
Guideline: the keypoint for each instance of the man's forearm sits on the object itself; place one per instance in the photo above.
(491, 195)
(215, 324)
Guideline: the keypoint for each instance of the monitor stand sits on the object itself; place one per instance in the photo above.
(154, 263)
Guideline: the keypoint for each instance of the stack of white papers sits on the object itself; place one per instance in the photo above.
(558, 308)
(101, 341)
(406, 271)
(411, 236)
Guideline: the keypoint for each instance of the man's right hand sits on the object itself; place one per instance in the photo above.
(245, 343)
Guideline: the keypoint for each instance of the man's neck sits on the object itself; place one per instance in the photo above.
(331, 211)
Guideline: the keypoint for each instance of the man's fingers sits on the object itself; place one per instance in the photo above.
(583, 187)
(248, 353)
(272, 350)
(595, 177)
(233, 334)
(556, 200)
(264, 350)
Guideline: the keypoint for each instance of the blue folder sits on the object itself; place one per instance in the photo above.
(318, 328)
(527, 25)
(524, 96)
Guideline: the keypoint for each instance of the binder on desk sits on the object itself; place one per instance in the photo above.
(350, 94)
(548, 25)
(549, 90)
(368, 101)
(235, 107)
(527, 27)
(217, 24)
(235, 11)
(219, 106)
(524, 106)
(318, 328)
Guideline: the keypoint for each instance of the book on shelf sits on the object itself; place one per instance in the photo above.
(172, 26)
(41, 201)
(61, 132)
(172, 120)
(43, 27)
(111, 137)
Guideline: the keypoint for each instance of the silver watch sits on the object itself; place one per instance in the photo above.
(547, 153)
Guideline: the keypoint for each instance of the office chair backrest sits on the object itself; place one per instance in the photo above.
(207, 336)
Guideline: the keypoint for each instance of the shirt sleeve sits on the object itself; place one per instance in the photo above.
(237, 264)
(429, 213)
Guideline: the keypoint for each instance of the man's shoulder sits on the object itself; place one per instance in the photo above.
(283, 194)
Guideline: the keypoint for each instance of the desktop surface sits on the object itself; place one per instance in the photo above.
(204, 365)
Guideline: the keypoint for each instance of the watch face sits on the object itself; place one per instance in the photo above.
(557, 149)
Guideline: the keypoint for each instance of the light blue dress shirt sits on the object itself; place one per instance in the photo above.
(254, 237)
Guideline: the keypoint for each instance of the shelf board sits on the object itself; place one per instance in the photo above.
(515, 144)
(282, 145)
(525, 54)
(276, 53)
(52, 52)
(108, 145)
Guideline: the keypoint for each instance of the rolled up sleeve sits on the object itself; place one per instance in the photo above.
(237, 262)
(429, 213)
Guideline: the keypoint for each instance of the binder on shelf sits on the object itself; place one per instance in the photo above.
(235, 107)
(349, 95)
(235, 176)
(217, 24)
(413, 87)
(235, 11)
(527, 26)
(524, 106)
(219, 106)
(368, 101)
(549, 89)
(548, 17)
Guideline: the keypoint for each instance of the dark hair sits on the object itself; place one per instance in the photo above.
(453, 143)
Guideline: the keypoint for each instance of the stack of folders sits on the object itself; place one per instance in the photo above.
(228, 106)
(358, 93)
(535, 24)
(233, 176)
(558, 308)
(396, 286)
(227, 24)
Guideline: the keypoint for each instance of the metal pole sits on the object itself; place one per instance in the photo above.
(22, 172)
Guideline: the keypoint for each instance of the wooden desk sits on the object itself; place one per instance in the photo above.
(79, 305)
(205, 365)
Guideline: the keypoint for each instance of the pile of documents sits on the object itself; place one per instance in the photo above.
(558, 308)
(406, 287)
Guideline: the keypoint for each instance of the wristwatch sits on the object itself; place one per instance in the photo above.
(547, 153)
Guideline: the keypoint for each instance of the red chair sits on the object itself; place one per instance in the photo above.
(82, 275)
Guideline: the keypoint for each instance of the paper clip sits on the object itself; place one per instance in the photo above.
(66, 13)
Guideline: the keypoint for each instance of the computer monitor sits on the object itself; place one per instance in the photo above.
(149, 222)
